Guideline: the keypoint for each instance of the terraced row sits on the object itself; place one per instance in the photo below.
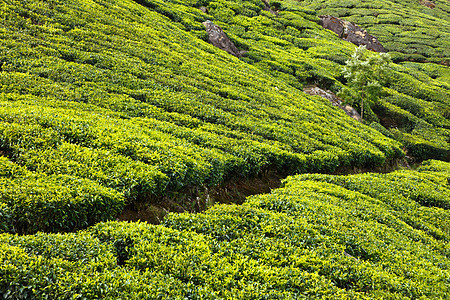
(127, 100)
(334, 237)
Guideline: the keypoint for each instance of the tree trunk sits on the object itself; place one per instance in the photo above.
(362, 105)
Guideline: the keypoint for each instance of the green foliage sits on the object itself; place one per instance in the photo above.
(104, 103)
(380, 128)
(360, 236)
(154, 109)
(31, 202)
(125, 95)
(364, 73)
(56, 203)
(6, 218)
(408, 29)
(9, 169)
(434, 166)
(132, 178)
(421, 148)
(325, 53)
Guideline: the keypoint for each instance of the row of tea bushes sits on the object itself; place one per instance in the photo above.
(293, 48)
(135, 261)
(117, 71)
(412, 30)
(187, 156)
(127, 98)
(423, 133)
(124, 96)
(435, 166)
(320, 236)
(391, 241)
(419, 198)
(31, 202)
(68, 144)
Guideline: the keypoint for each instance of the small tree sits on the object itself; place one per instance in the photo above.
(364, 72)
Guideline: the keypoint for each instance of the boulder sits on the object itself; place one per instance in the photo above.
(267, 8)
(218, 38)
(428, 3)
(335, 100)
(351, 32)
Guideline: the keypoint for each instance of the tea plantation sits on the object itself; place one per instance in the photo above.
(369, 236)
(108, 105)
(410, 30)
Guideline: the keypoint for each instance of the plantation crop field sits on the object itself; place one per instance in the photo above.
(112, 104)
(410, 30)
(131, 98)
(290, 45)
(367, 236)
(112, 101)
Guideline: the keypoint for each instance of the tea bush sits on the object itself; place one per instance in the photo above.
(107, 103)
(55, 203)
(322, 236)
(409, 28)
(124, 95)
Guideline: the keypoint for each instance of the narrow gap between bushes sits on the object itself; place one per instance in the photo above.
(232, 191)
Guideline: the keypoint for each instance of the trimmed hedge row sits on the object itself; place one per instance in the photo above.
(408, 28)
(293, 48)
(320, 236)
(31, 202)
(125, 95)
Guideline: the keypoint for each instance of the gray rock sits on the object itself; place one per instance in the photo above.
(218, 38)
(335, 100)
(267, 8)
(351, 32)
(428, 3)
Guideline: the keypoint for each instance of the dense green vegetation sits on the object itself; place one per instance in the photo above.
(33, 202)
(111, 99)
(109, 103)
(130, 96)
(408, 29)
(382, 236)
(365, 74)
(292, 47)
(415, 103)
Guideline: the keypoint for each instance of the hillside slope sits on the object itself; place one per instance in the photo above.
(117, 94)
(369, 236)
(129, 96)
(113, 104)
(290, 45)
(409, 30)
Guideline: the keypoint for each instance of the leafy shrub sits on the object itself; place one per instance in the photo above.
(56, 203)
(322, 236)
